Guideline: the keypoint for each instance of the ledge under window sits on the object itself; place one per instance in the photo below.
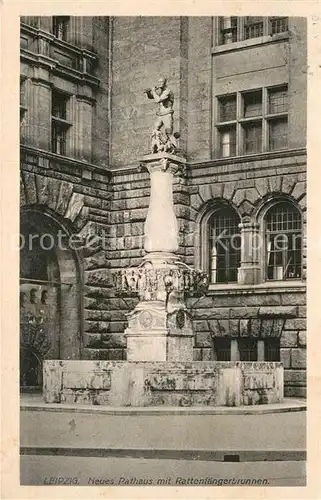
(280, 286)
(251, 42)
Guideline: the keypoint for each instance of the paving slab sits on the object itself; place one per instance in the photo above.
(285, 431)
(36, 403)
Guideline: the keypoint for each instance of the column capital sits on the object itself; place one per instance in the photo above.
(163, 162)
(248, 224)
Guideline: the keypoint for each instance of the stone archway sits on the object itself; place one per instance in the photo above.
(50, 325)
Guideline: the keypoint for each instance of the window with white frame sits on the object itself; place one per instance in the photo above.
(283, 242)
(234, 29)
(252, 121)
(59, 122)
(224, 245)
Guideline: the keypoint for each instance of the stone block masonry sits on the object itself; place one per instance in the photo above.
(116, 383)
(145, 57)
(258, 313)
(262, 314)
(98, 191)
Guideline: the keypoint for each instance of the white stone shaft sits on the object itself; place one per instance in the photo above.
(161, 228)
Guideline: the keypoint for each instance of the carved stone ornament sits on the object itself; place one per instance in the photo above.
(180, 319)
(183, 279)
(145, 319)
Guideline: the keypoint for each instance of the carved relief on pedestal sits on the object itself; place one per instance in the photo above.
(145, 319)
(148, 281)
(179, 323)
(148, 317)
(35, 335)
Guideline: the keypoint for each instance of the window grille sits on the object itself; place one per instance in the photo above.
(278, 134)
(272, 349)
(278, 25)
(247, 349)
(253, 27)
(252, 104)
(283, 242)
(252, 137)
(222, 347)
(250, 122)
(227, 108)
(225, 246)
(278, 100)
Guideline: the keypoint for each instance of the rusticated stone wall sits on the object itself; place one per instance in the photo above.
(116, 211)
(262, 311)
(114, 207)
(78, 197)
(259, 314)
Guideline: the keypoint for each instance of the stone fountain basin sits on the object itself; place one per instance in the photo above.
(158, 383)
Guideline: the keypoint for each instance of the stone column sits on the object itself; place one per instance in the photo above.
(235, 353)
(249, 271)
(83, 127)
(260, 350)
(38, 116)
(161, 229)
(160, 328)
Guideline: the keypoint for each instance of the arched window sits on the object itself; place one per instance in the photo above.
(283, 242)
(224, 245)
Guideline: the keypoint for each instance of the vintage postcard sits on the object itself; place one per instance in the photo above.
(160, 212)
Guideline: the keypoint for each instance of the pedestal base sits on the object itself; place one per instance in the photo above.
(153, 334)
(198, 383)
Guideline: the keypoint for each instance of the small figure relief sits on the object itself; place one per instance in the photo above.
(145, 319)
(180, 319)
(132, 279)
(187, 280)
(169, 282)
(33, 302)
(44, 306)
(23, 300)
(35, 309)
(35, 340)
(151, 280)
(163, 138)
(29, 306)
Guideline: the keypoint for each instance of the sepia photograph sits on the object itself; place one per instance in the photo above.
(163, 251)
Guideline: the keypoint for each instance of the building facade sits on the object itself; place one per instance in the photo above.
(240, 108)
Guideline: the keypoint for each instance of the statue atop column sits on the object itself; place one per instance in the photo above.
(163, 138)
